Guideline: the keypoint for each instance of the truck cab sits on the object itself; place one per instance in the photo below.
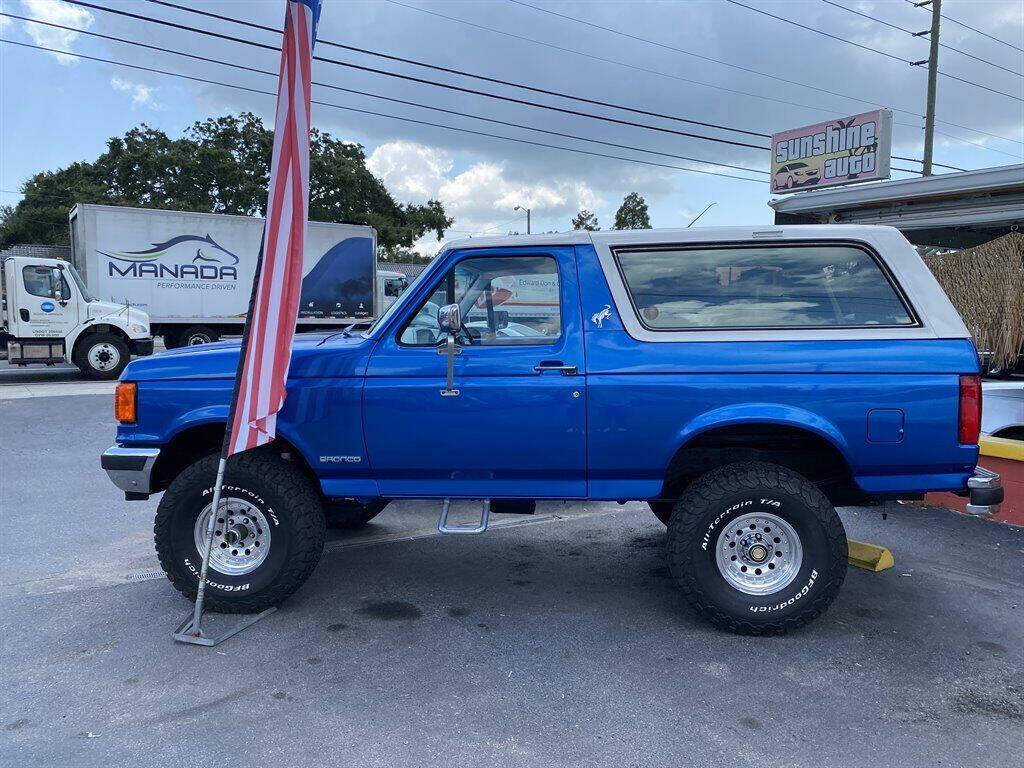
(742, 381)
(50, 316)
(390, 286)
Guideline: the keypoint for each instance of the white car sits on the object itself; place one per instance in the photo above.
(1002, 412)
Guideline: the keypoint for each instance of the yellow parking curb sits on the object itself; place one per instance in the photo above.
(1002, 448)
(868, 556)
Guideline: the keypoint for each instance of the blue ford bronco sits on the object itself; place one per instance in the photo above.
(742, 381)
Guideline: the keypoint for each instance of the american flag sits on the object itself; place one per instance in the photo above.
(274, 306)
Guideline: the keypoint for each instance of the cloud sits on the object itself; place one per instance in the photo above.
(56, 12)
(480, 198)
(140, 93)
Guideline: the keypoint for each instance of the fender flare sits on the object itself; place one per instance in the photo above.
(763, 413)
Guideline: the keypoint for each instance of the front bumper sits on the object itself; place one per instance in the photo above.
(141, 347)
(130, 469)
(986, 492)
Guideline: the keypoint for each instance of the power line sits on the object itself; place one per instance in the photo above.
(424, 81)
(462, 73)
(265, 28)
(619, 63)
(417, 104)
(979, 32)
(381, 114)
(869, 48)
(466, 74)
(455, 113)
(915, 34)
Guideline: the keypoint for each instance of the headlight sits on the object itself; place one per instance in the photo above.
(143, 329)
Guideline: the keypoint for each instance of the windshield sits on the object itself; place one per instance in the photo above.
(383, 318)
(86, 295)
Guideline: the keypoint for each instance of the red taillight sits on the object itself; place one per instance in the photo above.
(970, 409)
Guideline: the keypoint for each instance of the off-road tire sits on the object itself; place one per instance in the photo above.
(723, 494)
(80, 356)
(662, 509)
(347, 514)
(283, 493)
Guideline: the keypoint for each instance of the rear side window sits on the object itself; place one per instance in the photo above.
(784, 286)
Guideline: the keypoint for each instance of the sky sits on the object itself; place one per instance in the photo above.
(712, 61)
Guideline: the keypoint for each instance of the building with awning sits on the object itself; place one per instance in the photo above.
(951, 210)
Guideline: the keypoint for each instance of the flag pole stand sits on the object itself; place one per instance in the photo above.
(191, 628)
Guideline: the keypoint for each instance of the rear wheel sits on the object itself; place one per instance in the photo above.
(101, 356)
(757, 548)
(268, 538)
(195, 335)
(345, 514)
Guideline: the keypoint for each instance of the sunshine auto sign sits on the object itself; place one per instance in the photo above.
(844, 151)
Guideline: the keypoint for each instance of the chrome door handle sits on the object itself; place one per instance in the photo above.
(555, 365)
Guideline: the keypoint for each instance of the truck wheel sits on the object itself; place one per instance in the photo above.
(268, 539)
(197, 334)
(345, 514)
(101, 356)
(756, 548)
(662, 509)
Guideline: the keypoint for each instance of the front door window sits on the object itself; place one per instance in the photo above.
(504, 301)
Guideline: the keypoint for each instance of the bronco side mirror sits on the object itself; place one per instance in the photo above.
(449, 318)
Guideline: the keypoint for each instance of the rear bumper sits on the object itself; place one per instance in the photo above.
(130, 469)
(986, 492)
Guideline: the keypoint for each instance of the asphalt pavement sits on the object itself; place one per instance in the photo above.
(553, 640)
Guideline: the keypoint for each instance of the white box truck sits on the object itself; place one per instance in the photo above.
(192, 273)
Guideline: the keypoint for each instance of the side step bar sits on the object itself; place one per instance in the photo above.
(442, 523)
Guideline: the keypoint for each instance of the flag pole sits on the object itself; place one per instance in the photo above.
(197, 614)
(191, 628)
(251, 425)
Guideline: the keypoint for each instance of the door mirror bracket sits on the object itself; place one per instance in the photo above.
(450, 350)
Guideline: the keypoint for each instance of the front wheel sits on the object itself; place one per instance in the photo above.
(757, 548)
(268, 537)
(101, 356)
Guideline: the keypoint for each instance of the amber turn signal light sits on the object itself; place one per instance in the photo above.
(125, 397)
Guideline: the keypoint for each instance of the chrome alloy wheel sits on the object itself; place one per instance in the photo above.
(759, 553)
(241, 537)
(104, 357)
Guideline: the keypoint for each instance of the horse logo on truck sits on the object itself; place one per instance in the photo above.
(174, 258)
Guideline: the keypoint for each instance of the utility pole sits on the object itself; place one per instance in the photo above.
(933, 67)
(523, 208)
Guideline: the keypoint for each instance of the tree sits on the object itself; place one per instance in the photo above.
(219, 165)
(585, 220)
(632, 214)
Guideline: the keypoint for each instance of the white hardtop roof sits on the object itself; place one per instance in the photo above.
(621, 237)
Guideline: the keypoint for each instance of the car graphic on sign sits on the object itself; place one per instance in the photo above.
(793, 175)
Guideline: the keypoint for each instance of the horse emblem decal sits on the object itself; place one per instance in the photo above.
(599, 317)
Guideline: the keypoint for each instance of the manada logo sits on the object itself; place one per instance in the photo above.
(186, 257)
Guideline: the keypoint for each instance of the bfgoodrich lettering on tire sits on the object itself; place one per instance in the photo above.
(756, 548)
(268, 538)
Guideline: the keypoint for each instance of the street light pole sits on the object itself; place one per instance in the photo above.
(522, 208)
